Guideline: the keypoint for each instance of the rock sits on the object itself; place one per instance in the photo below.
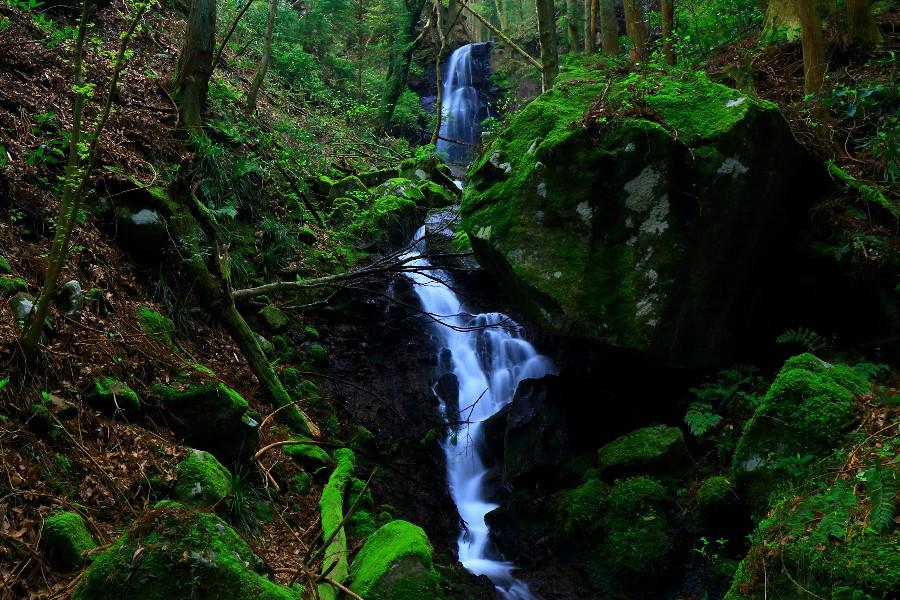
(201, 480)
(305, 235)
(658, 450)
(64, 540)
(718, 504)
(70, 298)
(343, 210)
(315, 352)
(537, 432)
(141, 230)
(805, 412)
(275, 318)
(21, 304)
(156, 325)
(265, 345)
(395, 563)
(175, 552)
(350, 186)
(436, 196)
(212, 417)
(112, 394)
(401, 188)
(311, 456)
(627, 234)
(389, 223)
(447, 389)
(10, 285)
(376, 177)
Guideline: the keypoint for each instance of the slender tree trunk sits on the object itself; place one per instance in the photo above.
(573, 25)
(668, 17)
(549, 45)
(636, 28)
(861, 25)
(260, 74)
(813, 47)
(506, 39)
(195, 65)
(231, 30)
(398, 71)
(586, 29)
(609, 27)
(591, 35)
(439, 104)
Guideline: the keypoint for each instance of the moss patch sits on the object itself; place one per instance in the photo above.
(112, 393)
(202, 480)
(331, 505)
(12, 285)
(64, 540)
(395, 564)
(156, 325)
(659, 449)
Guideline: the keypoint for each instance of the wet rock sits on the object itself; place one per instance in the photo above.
(447, 389)
(21, 304)
(112, 394)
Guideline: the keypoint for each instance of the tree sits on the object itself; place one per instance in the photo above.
(398, 68)
(573, 25)
(782, 21)
(668, 11)
(260, 74)
(77, 174)
(636, 28)
(813, 47)
(195, 64)
(609, 27)
(590, 26)
(861, 25)
(549, 45)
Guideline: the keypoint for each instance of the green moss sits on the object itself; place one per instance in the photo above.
(274, 317)
(64, 540)
(12, 285)
(436, 195)
(361, 524)
(156, 325)
(658, 449)
(581, 509)
(301, 483)
(867, 192)
(310, 455)
(331, 506)
(114, 394)
(714, 490)
(171, 552)
(395, 564)
(315, 353)
(346, 187)
(5, 267)
(201, 480)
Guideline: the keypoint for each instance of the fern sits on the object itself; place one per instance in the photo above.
(700, 418)
(883, 487)
(805, 338)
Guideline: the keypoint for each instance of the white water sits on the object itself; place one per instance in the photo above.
(460, 106)
(489, 363)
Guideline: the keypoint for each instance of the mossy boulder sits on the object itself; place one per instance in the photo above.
(175, 552)
(644, 233)
(212, 417)
(64, 540)
(436, 196)
(657, 450)
(274, 318)
(806, 412)
(10, 285)
(402, 188)
(395, 564)
(348, 186)
(112, 394)
(388, 223)
(201, 480)
(156, 325)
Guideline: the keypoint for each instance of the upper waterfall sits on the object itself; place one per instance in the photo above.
(463, 107)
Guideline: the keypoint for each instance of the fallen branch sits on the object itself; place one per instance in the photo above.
(502, 36)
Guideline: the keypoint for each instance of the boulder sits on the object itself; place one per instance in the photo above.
(447, 389)
(274, 318)
(402, 188)
(436, 195)
(395, 563)
(10, 285)
(201, 480)
(657, 450)
(348, 186)
(172, 551)
(112, 394)
(21, 305)
(311, 456)
(70, 298)
(537, 433)
(646, 233)
(64, 540)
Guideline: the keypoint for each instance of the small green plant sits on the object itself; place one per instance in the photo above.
(882, 486)
(700, 418)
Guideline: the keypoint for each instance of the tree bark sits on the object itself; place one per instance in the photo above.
(195, 66)
(668, 17)
(263, 67)
(609, 27)
(861, 25)
(813, 47)
(782, 21)
(549, 45)
(439, 104)
(589, 31)
(573, 25)
(398, 70)
(636, 28)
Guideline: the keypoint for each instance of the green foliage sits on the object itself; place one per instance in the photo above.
(806, 339)
(409, 118)
(882, 485)
(700, 418)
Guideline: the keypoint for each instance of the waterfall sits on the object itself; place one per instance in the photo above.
(462, 110)
(489, 358)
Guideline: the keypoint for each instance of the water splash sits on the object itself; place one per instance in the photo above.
(489, 358)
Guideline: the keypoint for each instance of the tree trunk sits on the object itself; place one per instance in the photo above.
(589, 30)
(439, 104)
(398, 70)
(861, 26)
(636, 28)
(668, 17)
(609, 27)
(195, 66)
(573, 25)
(813, 47)
(549, 49)
(260, 74)
(782, 21)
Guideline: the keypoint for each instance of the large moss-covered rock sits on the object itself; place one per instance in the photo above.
(659, 450)
(388, 223)
(173, 552)
(643, 232)
(65, 539)
(201, 480)
(805, 412)
(395, 564)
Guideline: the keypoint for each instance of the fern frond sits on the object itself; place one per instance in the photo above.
(883, 487)
(700, 418)
(805, 338)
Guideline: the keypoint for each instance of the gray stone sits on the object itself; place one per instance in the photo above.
(70, 298)
(21, 304)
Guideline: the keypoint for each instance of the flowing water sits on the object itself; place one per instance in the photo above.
(489, 358)
(462, 106)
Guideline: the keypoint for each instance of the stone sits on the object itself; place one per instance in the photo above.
(173, 551)
(275, 318)
(201, 480)
(156, 325)
(265, 345)
(436, 195)
(70, 298)
(537, 433)
(632, 236)
(350, 186)
(21, 304)
(64, 540)
(112, 394)
(657, 450)
(395, 563)
(447, 389)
